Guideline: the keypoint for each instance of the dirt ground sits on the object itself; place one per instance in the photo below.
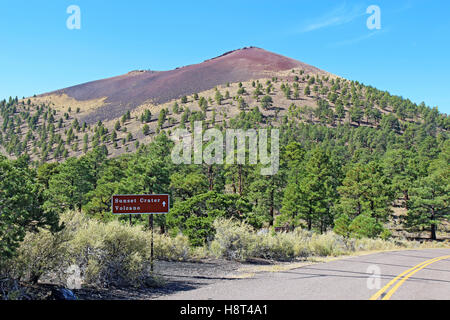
(171, 277)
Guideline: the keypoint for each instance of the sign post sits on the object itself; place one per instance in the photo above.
(150, 223)
(142, 204)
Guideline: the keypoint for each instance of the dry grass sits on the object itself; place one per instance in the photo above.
(278, 267)
(63, 102)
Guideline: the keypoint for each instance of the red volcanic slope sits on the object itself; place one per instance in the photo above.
(128, 91)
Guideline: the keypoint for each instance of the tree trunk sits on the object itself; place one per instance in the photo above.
(240, 180)
(211, 179)
(34, 278)
(321, 225)
(272, 201)
(271, 208)
(310, 218)
(433, 232)
(406, 196)
(433, 226)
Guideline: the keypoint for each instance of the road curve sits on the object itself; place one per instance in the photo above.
(394, 275)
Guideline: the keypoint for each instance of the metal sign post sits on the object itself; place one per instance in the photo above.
(142, 204)
(150, 218)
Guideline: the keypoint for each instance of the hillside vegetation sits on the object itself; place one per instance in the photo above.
(48, 133)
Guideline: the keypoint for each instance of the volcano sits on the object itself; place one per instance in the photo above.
(126, 92)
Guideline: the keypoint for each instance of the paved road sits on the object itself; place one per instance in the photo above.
(373, 276)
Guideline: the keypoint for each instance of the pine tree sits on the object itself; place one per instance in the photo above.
(266, 102)
(146, 130)
(430, 196)
(311, 192)
(68, 189)
(161, 118)
(307, 91)
(365, 189)
(21, 200)
(147, 116)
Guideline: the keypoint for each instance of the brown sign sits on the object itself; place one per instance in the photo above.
(140, 204)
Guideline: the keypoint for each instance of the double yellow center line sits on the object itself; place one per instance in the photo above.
(401, 278)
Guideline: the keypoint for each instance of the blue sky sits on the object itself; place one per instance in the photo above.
(409, 55)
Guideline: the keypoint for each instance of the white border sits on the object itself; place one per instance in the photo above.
(139, 195)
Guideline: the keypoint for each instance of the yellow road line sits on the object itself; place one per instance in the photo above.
(395, 288)
(382, 290)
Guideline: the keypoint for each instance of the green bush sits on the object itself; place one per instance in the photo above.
(199, 230)
(341, 225)
(365, 226)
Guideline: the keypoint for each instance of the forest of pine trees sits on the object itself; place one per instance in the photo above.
(334, 174)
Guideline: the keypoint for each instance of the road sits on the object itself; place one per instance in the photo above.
(395, 275)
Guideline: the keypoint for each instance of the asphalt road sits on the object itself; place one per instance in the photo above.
(404, 275)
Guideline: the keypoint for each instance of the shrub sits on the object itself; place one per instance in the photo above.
(38, 254)
(172, 248)
(238, 241)
(386, 234)
(111, 254)
(365, 244)
(43, 252)
(279, 247)
(106, 253)
(117, 254)
(328, 244)
(233, 240)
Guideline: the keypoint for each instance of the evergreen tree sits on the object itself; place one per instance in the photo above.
(146, 130)
(430, 196)
(21, 205)
(307, 91)
(69, 187)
